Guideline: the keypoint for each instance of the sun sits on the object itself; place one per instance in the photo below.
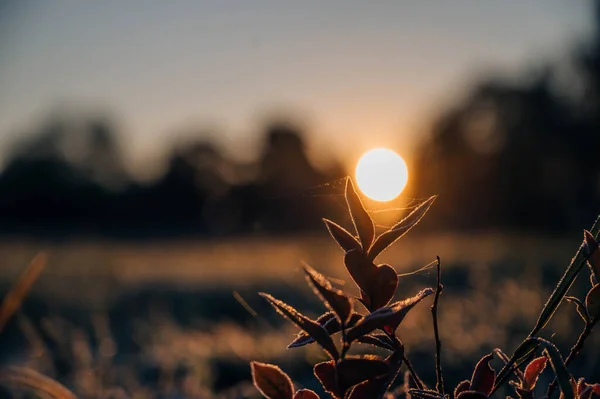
(381, 174)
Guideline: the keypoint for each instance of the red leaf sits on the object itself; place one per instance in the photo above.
(271, 381)
(533, 371)
(306, 394)
(483, 376)
(325, 373)
(463, 386)
(337, 380)
(361, 219)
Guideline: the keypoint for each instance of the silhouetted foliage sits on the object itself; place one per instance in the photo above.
(511, 154)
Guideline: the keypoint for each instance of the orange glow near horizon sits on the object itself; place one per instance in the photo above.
(381, 174)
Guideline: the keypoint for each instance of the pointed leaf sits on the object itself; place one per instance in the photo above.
(483, 376)
(271, 381)
(387, 317)
(593, 253)
(306, 394)
(330, 323)
(524, 350)
(311, 327)
(592, 302)
(342, 236)
(389, 237)
(379, 340)
(361, 219)
(557, 363)
(533, 371)
(334, 299)
(564, 284)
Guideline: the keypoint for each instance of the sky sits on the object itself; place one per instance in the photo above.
(358, 74)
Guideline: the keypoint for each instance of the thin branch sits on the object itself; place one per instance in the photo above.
(574, 351)
(413, 373)
(438, 343)
(409, 366)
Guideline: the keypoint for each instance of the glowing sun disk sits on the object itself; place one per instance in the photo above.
(381, 174)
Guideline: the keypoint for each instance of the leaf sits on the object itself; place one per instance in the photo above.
(560, 369)
(483, 376)
(533, 371)
(564, 284)
(581, 308)
(329, 322)
(461, 387)
(325, 373)
(379, 340)
(593, 253)
(389, 237)
(271, 381)
(524, 350)
(349, 372)
(360, 269)
(311, 327)
(361, 219)
(334, 299)
(387, 317)
(592, 302)
(368, 389)
(384, 285)
(306, 394)
(342, 236)
(377, 284)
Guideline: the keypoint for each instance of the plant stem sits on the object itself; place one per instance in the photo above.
(409, 366)
(574, 352)
(438, 343)
(413, 374)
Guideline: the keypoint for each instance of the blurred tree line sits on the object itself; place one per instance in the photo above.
(512, 154)
(70, 179)
(523, 154)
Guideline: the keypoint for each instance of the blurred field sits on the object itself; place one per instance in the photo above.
(165, 318)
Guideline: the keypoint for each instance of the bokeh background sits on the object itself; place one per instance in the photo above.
(175, 158)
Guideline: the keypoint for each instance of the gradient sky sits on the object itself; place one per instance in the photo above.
(361, 74)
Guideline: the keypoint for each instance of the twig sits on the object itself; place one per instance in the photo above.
(438, 343)
(409, 366)
(574, 351)
(413, 373)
